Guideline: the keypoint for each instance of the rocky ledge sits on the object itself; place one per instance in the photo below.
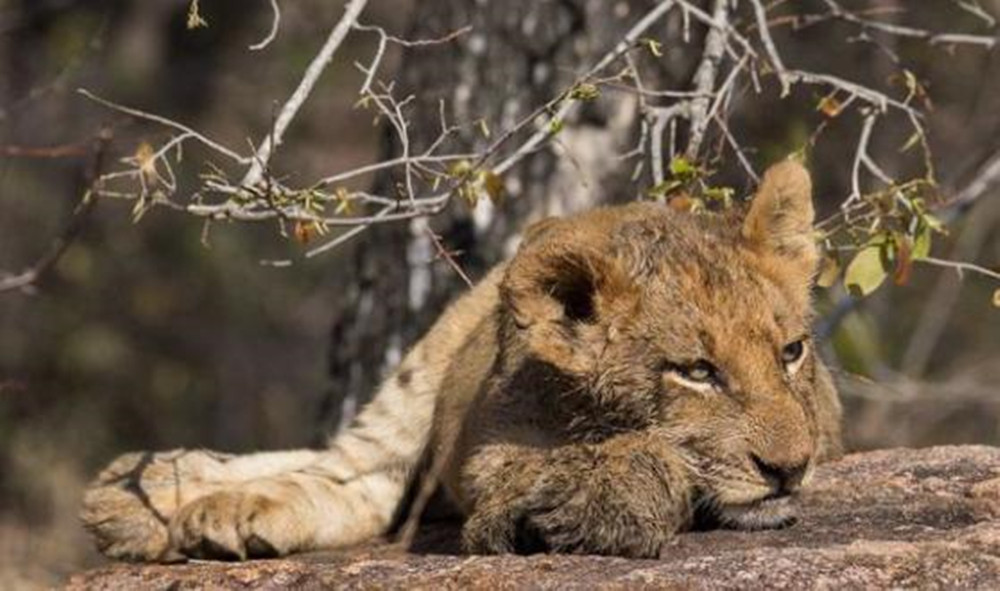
(899, 518)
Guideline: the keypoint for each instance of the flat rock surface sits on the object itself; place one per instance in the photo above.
(925, 518)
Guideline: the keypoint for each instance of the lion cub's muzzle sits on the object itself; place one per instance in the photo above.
(776, 509)
(783, 479)
(767, 513)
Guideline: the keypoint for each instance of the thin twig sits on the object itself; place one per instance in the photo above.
(63, 151)
(661, 117)
(902, 31)
(31, 276)
(275, 24)
(167, 123)
(291, 107)
(448, 256)
(859, 155)
(627, 42)
(705, 76)
(960, 267)
(760, 13)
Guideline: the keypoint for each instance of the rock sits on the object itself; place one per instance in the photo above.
(897, 518)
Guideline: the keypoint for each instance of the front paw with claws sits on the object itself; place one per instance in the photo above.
(128, 507)
(231, 525)
(626, 497)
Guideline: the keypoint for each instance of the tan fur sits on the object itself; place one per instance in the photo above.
(631, 373)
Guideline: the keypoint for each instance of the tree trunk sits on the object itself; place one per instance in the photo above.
(519, 55)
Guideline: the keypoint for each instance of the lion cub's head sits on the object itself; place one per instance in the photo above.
(697, 326)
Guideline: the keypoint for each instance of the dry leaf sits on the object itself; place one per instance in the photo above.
(904, 262)
(305, 231)
(145, 158)
(830, 106)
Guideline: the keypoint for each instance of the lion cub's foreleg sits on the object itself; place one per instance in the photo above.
(626, 496)
(291, 512)
(163, 506)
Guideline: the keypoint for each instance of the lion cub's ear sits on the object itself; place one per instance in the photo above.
(780, 220)
(540, 229)
(562, 278)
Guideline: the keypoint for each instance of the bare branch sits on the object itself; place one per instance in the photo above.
(737, 149)
(385, 38)
(63, 151)
(987, 177)
(760, 13)
(901, 31)
(627, 42)
(705, 75)
(973, 8)
(961, 267)
(31, 276)
(859, 156)
(168, 123)
(291, 107)
(428, 181)
(661, 117)
(448, 256)
(275, 23)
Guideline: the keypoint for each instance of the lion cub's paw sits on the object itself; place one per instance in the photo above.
(233, 525)
(627, 497)
(585, 526)
(570, 526)
(128, 507)
(486, 532)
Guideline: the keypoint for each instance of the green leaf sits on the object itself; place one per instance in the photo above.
(584, 91)
(913, 87)
(459, 169)
(469, 193)
(867, 271)
(723, 195)
(663, 189)
(829, 271)
(912, 142)
(683, 168)
(922, 242)
(653, 46)
(934, 223)
(494, 187)
(345, 206)
(484, 128)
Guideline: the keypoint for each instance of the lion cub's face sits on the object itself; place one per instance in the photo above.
(697, 327)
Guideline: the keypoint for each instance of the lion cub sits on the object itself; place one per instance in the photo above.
(631, 372)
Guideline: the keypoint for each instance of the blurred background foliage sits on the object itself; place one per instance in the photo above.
(143, 337)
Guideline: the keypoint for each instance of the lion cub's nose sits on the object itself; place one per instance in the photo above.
(785, 478)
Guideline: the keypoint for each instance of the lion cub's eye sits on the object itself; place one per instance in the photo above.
(699, 371)
(792, 355)
(700, 375)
